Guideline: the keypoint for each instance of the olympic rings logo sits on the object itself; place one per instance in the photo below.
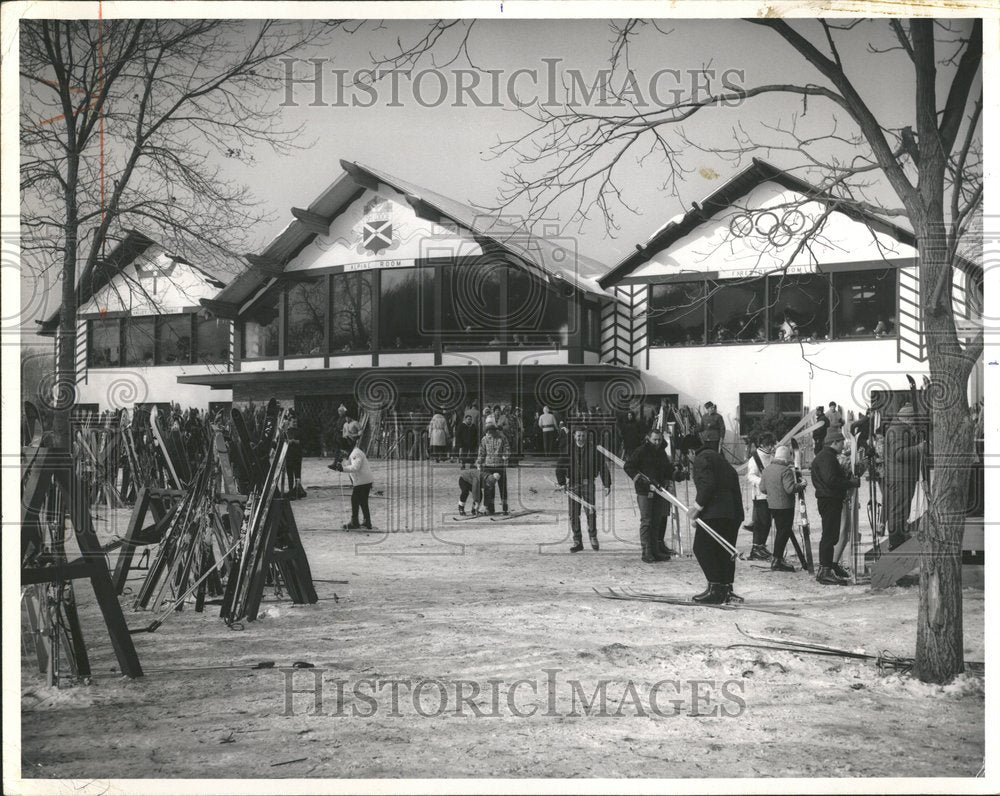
(779, 232)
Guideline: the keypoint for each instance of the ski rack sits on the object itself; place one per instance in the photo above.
(48, 468)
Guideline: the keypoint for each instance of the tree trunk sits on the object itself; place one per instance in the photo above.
(940, 642)
(63, 396)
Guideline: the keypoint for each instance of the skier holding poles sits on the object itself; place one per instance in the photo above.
(718, 503)
(579, 465)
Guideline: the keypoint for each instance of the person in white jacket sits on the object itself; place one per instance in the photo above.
(356, 466)
(761, 514)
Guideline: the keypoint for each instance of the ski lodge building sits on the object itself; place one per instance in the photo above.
(766, 297)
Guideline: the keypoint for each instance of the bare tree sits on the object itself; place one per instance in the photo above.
(124, 124)
(580, 155)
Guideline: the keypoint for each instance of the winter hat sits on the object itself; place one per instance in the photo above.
(832, 436)
(490, 422)
(352, 429)
(783, 453)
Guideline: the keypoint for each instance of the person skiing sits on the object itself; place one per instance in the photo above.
(492, 460)
(575, 473)
(470, 483)
(719, 503)
(649, 467)
(779, 487)
(356, 466)
(760, 458)
(831, 486)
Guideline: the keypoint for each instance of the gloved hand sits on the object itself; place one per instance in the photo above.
(800, 489)
(338, 466)
(642, 482)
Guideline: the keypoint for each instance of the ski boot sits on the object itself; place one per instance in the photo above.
(731, 596)
(717, 594)
(506, 510)
(351, 526)
(841, 572)
(759, 553)
(647, 555)
(461, 509)
(780, 565)
(577, 544)
(827, 577)
(594, 544)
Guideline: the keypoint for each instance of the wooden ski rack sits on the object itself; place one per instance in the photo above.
(48, 467)
(280, 548)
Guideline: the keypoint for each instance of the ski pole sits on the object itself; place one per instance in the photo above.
(665, 494)
(573, 496)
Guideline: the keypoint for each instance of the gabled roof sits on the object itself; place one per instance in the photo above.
(558, 261)
(756, 174)
(124, 253)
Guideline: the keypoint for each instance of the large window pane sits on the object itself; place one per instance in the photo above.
(140, 341)
(736, 311)
(776, 412)
(800, 307)
(104, 344)
(260, 340)
(406, 314)
(306, 319)
(174, 340)
(212, 342)
(471, 310)
(676, 314)
(864, 303)
(537, 313)
(351, 316)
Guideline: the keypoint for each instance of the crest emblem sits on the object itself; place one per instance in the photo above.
(377, 227)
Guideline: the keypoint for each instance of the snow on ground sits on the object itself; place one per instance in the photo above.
(498, 651)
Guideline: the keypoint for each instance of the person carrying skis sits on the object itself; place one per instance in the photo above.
(649, 466)
(575, 473)
(719, 503)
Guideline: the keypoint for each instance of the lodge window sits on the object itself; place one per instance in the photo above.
(537, 314)
(104, 343)
(140, 341)
(591, 328)
(351, 311)
(406, 311)
(736, 311)
(800, 307)
(864, 303)
(212, 341)
(776, 412)
(472, 310)
(677, 313)
(260, 340)
(173, 340)
(305, 319)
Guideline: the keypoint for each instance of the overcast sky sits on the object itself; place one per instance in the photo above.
(447, 148)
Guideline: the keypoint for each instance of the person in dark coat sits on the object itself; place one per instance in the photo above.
(820, 433)
(831, 485)
(712, 429)
(293, 458)
(578, 466)
(903, 449)
(649, 466)
(467, 441)
(631, 432)
(719, 503)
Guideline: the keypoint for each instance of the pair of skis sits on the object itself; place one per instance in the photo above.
(670, 498)
(668, 599)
